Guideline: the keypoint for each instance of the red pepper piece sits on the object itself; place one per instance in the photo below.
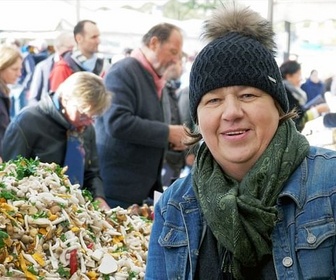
(73, 262)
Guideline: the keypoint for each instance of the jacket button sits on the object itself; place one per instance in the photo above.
(311, 239)
(287, 261)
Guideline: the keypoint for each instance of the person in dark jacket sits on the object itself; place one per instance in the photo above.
(292, 76)
(10, 70)
(313, 86)
(42, 130)
(132, 134)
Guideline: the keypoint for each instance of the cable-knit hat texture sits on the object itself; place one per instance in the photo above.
(240, 52)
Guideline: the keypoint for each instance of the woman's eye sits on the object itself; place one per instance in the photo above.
(247, 96)
(213, 100)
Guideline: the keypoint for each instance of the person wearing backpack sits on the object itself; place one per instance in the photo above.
(84, 58)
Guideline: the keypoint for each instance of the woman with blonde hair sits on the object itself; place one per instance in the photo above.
(10, 71)
(59, 128)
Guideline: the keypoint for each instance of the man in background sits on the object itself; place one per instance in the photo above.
(84, 58)
(132, 134)
(63, 43)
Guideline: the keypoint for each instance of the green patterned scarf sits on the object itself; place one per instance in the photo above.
(242, 214)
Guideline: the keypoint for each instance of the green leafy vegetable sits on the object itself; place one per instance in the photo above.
(25, 167)
(63, 272)
(41, 214)
(8, 195)
(3, 236)
(87, 195)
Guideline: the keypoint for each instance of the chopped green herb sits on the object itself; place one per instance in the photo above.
(41, 214)
(32, 270)
(95, 205)
(3, 236)
(87, 195)
(62, 237)
(132, 275)
(8, 195)
(63, 272)
(25, 167)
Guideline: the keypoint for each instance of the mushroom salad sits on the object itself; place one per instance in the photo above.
(51, 229)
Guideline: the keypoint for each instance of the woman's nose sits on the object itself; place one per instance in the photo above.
(231, 108)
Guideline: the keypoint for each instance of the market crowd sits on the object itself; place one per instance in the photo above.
(243, 191)
(138, 141)
(119, 131)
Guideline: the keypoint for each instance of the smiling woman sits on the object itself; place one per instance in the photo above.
(254, 185)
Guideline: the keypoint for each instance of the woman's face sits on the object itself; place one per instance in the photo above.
(77, 115)
(12, 73)
(237, 124)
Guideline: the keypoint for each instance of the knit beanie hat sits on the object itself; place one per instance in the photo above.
(240, 52)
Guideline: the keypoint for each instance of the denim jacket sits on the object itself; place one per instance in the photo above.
(303, 237)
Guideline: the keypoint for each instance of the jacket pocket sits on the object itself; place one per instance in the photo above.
(172, 236)
(315, 248)
(175, 245)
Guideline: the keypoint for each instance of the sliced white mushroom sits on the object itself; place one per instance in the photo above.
(97, 255)
(82, 264)
(122, 275)
(39, 221)
(59, 220)
(53, 260)
(108, 264)
(29, 258)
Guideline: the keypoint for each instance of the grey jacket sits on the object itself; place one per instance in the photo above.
(40, 131)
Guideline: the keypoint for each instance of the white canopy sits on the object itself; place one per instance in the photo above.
(30, 19)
